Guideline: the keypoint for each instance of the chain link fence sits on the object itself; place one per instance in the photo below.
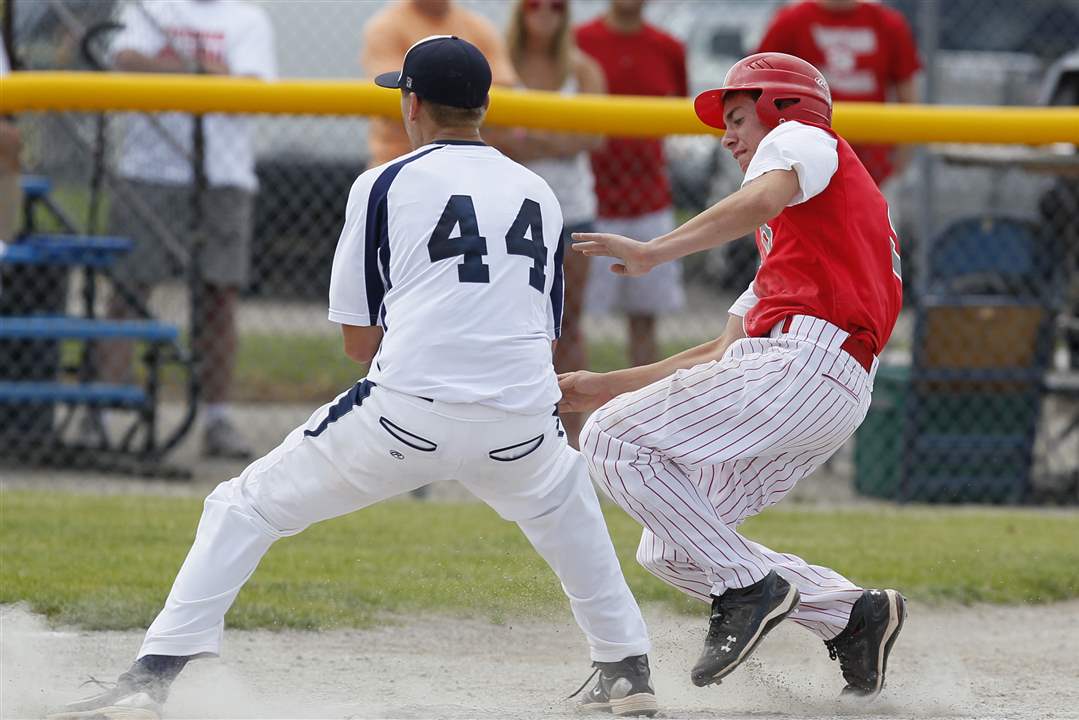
(976, 398)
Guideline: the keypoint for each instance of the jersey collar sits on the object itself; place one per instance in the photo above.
(459, 142)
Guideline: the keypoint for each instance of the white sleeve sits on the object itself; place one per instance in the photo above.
(253, 51)
(138, 33)
(4, 69)
(807, 150)
(356, 284)
(557, 292)
(744, 303)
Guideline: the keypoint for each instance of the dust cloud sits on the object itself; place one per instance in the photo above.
(961, 663)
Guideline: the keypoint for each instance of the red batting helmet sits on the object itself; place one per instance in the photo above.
(777, 77)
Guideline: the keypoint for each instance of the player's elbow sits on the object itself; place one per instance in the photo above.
(361, 355)
(771, 194)
(361, 343)
(361, 351)
(767, 204)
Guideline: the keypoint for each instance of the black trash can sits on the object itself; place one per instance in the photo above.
(29, 290)
(299, 211)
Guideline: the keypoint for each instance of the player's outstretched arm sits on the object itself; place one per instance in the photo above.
(634, 255)
(736, 215)
(584, 391)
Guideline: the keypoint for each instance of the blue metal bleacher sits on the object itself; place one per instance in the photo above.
(35, 382)
(78, 250)
(39, 327)
(93, 393)
(35, 187)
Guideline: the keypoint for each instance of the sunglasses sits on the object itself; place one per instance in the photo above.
(557, 6)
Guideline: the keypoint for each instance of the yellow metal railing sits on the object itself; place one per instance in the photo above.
(607, 115)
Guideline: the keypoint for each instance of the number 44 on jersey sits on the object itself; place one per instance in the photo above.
(525, 237)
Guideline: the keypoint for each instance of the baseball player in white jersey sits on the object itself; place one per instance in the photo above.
(693, 445)
(448, 278)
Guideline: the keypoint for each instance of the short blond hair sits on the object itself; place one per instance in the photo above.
(450, 116)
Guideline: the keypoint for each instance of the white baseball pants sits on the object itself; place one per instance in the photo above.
(372, 443)
(693, 455)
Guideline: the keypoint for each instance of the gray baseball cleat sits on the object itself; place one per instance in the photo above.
(138, 694)
(624, 688)
(126, 699)
(864, 645)
(740, 619)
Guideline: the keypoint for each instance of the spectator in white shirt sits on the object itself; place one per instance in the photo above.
(216, 37)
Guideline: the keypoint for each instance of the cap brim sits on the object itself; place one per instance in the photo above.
(709, 108)
(709, 105)
(389, 80)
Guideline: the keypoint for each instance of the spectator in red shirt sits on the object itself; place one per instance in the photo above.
(866, 51)
(631, 180)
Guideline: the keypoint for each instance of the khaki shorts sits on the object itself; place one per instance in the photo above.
(657, 293)
(226, 255)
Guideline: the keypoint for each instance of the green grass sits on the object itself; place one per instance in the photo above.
(296, 368)
(313, 368)
(106, 562)
(74, 201)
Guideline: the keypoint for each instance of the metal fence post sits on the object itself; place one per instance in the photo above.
(928, 39)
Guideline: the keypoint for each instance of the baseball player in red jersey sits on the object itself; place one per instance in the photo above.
(693, 445)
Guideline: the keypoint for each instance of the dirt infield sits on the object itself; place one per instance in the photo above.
(950, 662)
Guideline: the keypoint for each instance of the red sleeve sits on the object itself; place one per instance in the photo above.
(905, 60)
(778, 35)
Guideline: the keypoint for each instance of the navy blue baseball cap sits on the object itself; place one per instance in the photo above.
(443, 69)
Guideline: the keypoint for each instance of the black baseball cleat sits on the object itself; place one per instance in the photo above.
(863, 647)
(624, 688)
(740, 619)
(137, 694)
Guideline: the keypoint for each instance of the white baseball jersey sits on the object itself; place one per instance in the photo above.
(455, 250)
(236, 33)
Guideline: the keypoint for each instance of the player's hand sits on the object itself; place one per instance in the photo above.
(584, 391)
(635, 256)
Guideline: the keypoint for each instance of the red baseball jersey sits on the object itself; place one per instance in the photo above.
(834, 256)
(631, 177)
(862, 51)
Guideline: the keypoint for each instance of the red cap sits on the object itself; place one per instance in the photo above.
(776, 77)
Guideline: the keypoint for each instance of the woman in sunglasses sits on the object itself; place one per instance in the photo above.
(545, 57)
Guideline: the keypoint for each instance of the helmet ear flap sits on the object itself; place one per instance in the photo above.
(767, 110)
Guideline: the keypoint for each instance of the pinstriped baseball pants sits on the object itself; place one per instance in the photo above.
(693, 455)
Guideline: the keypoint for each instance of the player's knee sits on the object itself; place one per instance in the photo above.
(589, 440)
(225, 493)
(648, 560)
(232, 504)
(229, 495)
